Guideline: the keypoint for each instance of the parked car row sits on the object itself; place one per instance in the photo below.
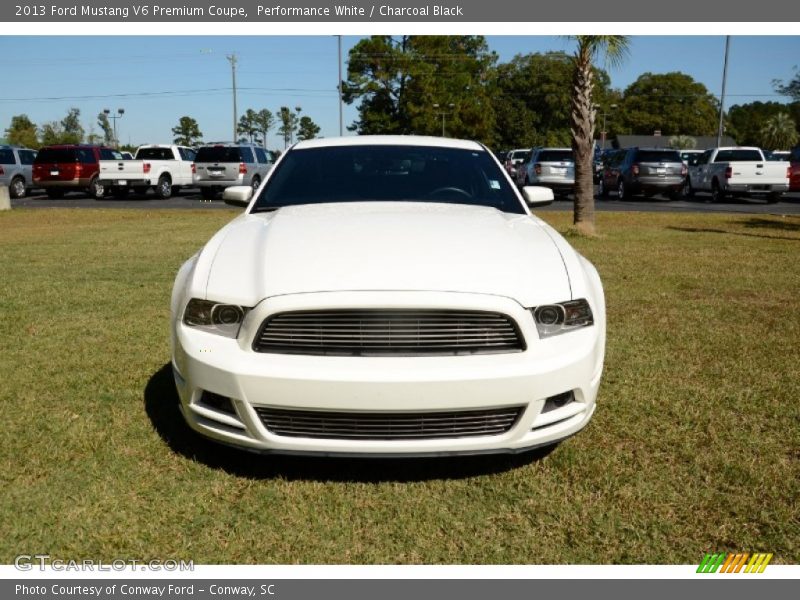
(101, 171)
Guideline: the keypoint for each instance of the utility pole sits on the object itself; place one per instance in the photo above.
(232, 59)
(722, 96)
(341, 119)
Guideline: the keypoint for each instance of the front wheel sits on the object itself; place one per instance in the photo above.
(602, 190)
(773, 198)
(120, 192)
(54, 193)
(17, 188)
(208, 193)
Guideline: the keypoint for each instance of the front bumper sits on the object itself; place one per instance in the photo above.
(230, 368)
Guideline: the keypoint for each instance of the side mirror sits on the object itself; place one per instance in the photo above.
(537, 196)
(238, 195)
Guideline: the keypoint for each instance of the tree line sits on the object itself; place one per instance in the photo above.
(410, 84)
(253, 126)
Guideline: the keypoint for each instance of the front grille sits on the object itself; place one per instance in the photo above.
(388, 426)
(378, 332)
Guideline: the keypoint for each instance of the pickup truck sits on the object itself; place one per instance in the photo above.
(165, 168)
(738, 171)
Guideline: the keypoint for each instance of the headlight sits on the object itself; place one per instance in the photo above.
(555, 319)
(222, 319)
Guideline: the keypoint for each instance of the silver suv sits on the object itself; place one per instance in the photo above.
(16, 169)
(222, 165)
(549, 167)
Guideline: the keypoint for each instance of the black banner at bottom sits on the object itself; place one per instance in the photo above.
(393, 589)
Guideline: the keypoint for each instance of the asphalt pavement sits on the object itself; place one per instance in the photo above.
(191, 199)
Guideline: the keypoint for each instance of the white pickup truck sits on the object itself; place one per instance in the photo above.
(738, 171)
(165, 168)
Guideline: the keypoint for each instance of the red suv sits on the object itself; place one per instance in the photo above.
(794, 172)
(71, 168)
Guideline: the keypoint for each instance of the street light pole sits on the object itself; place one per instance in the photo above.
(120, 112)
(604, 131)
(443, 113)
(722, 96)
(341, 118)
(232, 59)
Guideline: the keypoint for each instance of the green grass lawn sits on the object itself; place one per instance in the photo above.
(695, 445)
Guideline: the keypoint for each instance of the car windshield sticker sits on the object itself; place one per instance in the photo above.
(494, 184)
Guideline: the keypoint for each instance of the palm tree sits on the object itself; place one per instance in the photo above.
(615, 49)
(779, 132)
(683, 142)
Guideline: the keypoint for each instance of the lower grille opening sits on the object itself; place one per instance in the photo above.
(387, 425)
(217, 402)
(558, 401)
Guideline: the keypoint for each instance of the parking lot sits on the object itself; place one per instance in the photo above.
(191, 198)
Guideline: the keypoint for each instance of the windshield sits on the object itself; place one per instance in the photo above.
(388, 173)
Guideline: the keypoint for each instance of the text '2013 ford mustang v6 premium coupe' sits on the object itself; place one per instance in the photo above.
(387, 295)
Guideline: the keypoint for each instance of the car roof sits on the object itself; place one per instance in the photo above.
(388, 140)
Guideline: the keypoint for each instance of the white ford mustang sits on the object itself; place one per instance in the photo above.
(387, 295)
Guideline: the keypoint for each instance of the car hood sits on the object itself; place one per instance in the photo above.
(384, 246)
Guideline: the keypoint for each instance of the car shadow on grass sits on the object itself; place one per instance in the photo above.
(785, 224)
(161, 405)
(725, 231)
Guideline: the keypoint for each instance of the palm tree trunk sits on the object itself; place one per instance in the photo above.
(583, 141)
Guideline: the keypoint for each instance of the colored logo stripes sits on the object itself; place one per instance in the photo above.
(734, 563)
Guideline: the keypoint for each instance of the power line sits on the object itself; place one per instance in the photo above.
(165, 93)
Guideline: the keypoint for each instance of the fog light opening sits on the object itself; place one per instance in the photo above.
(217, 402)
(558, 401)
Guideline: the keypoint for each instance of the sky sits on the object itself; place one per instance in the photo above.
(159, 79)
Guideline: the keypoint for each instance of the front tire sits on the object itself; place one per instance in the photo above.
(773, 198)
(602, 190)
(208, 193)
(140, 190)
(54, 193)
(17, 188)
(120, 193)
